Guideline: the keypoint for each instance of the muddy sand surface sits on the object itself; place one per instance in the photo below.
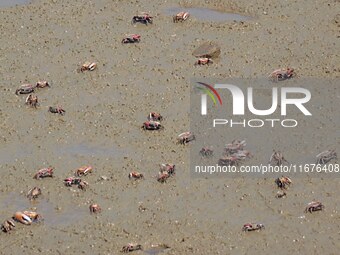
(105, 109)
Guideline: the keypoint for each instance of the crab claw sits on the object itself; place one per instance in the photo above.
(23, 218)
(34, 216)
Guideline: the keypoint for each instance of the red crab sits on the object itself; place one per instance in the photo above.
(204, 61)
(58, 109)
(45, 172)
(185, 137)
(169, 168)
(154, 116)
(133, 38)
(143, 18)
(152, 125)
(252, 226)
(282, 74)
(181, 16)
(136, 175)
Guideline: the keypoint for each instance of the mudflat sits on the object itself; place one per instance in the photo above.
(105, 108)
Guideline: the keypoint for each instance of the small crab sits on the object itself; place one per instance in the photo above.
(84, 170)
(133, 38)
(185, 137)
(25, 89)
(206, 152)
(241, 154)
(136, 175)
(181, 16)
(163, 176)
(34, 216)
(32, 100)
(152, 125)
(44, 172)
(33, 193)
(88, 66)
(282, 74)
(95, 208)
(169, 168)
(83, 185)
(131, 247)
(42, 84)
(283, 182)
(58, 109)
(277, 159)
(326, 156)
(72, 181)
(252, 226)
(204, 61)
(22, 218)
(154, 116)
(229, 161)
(235, 146)
(314, 206)
(7, 226)
(143, 18)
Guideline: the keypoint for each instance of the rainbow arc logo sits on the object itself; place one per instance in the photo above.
(209, 90)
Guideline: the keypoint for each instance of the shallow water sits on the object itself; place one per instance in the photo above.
(206, 14)
(8, 3)
(53, 217)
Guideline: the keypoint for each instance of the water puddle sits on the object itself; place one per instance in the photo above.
(206, 14)
(156, 249)
(84, 149)
(52, 217)
(9, 3)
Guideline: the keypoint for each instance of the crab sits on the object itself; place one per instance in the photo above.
(95, 208)
(58, 109)
(33, 193)
(206, 152)
(136, 175)
(253, 226)
(131, 247)
(204, 61)
(42, 84)
(25, 89)
(152, 125)
(22, 218)
(277, 159)
(44, 172)
(169, 168)
(242, 154)
(83, 185)
(314, 206)
(88, 66)
(7, 226)
(34, 216)
(143, 18)
(185, 137)
(283, 182)
(235, 146)
(229, 161)
(326, 156)
(32, 100)
(84, 170)
(154, 116)
(163, 176)
(133, 38)
(181, 16)
(282, 74)
(72, 181)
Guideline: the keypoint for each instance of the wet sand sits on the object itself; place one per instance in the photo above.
(105, 109)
